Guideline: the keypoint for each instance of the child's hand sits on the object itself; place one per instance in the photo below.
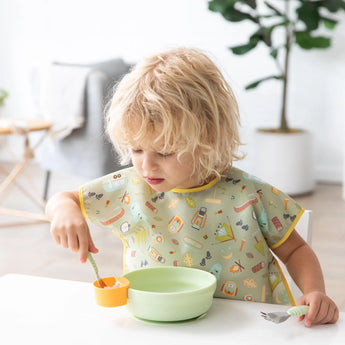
(68, 225)
(321, 308)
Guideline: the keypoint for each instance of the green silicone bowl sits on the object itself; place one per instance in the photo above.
(169, 294)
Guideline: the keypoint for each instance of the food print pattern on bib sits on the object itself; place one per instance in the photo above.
(227, 227)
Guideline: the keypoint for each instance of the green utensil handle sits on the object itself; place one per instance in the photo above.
(93, 263)
(299, 310)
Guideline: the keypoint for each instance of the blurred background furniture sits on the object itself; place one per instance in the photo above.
(86, 152)
(23, 128)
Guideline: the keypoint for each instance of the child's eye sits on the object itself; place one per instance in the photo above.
(136, 150)
(163, 154)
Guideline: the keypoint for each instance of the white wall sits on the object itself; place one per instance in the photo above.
(37, 31)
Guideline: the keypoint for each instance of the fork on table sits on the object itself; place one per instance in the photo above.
(278, 317)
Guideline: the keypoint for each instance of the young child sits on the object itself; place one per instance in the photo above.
(183, 203)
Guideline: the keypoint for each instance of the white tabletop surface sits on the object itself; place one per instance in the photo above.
(36, 310)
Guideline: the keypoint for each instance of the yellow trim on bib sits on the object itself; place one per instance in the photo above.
(287, 287)
(288, 233)
(196, 189)
(82, 205)
(125, 247)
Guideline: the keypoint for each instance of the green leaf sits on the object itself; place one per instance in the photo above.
(263, 34)
(329, 23)
(258, 82)
(274, 9)
(332, 5)
(244, 48)
(274, 53)
(220, 5)
(306, 41)
(308, 13)
(227, 8)
(3, 95)
(283, 23)
(250, 3)
(224, 5)
(236, 16)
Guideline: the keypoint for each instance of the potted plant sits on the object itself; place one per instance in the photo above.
(3, 96)
(279, 25)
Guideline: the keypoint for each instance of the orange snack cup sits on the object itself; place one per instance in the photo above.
(111, 296)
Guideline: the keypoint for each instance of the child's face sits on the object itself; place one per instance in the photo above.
(164, 172)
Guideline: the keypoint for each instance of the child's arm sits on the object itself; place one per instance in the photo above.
(68, 225)
(305, 270)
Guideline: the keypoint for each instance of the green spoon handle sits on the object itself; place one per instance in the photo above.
(299, 310)
(93, 264)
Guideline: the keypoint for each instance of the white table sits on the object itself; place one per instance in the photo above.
(35, 310)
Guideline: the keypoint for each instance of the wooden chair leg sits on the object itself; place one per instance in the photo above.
(46, 185)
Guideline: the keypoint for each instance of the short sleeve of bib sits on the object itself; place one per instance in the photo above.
(277, 214)
(103, 200)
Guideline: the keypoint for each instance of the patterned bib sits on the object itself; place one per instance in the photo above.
(227, 227)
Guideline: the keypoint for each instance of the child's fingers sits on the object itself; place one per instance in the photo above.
(335, 315)
(83, 256)
(64, 241)
(301, 318)
(56, 239)
(319, 314)
(321, 309)
(324, 314)
(331, 314)
(86, 245)
(312, 314)
(92, 247)
(73, 244)
(83, 248)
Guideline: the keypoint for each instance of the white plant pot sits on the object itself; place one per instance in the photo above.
(285, 160)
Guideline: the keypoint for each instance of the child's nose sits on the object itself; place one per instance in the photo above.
(149, 163)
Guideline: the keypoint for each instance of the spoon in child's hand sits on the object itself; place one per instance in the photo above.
(95, 268)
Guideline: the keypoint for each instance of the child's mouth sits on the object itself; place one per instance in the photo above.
(154, 180)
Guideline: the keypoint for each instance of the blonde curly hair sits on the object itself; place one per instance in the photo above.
(178, 97)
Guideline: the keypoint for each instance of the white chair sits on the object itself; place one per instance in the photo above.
(86, 152)
(304, 229)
